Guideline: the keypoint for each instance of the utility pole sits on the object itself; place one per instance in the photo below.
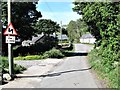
(1, 74)
(10, 56)
(61, 32)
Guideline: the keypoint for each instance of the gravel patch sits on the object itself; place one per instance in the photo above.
(29, 63)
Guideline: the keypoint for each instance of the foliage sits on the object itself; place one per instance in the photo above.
(72, 31)
(103, 20)
(64, 31)
(39, 47)
(82, 27)
(104, 69)
(53, 53)
(46, 26)
(76, 29)
(5, 66)
(25, 15)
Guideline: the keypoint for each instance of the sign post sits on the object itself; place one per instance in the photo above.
(10, 39)
(10, 58)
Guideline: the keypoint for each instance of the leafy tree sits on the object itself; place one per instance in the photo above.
(64, 31)
(76, 29)
(23, 17)
(101, 19)
(82, 27)
(46, 26)
(72, 31)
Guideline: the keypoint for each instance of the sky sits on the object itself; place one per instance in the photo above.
(57, 10)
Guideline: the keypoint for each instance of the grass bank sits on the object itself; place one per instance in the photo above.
(104, 71)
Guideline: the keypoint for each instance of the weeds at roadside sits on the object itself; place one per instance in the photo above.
(104, 71)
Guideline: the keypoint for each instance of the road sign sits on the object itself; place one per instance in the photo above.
(10, 39)
(10, 30)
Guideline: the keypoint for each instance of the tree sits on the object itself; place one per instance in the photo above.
(46, 26)
(101, 19)
(64, 31)
(82, 27)
(72, 31)
(23, 15)
(76, 29)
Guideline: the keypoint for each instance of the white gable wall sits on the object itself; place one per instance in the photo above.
(88, 40)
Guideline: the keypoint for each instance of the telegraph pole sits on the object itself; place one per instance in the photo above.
(10, 57)
(61, 32)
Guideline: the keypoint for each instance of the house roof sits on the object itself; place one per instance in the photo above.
(39, 36)
(36, 38)
(33, 41)
(87, 36)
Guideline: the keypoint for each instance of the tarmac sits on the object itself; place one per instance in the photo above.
(32, 74)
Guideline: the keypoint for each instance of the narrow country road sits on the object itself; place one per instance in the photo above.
(72, 73)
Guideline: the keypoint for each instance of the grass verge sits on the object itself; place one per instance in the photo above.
(111, 76)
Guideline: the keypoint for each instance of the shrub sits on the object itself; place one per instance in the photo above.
(53, 53)
(5, 66)
(45, 43)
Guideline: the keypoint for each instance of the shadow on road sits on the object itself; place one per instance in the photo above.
(54, 74)
(70, 54)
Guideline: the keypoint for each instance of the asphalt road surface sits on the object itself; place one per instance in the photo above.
(71, 72)
(74, 72)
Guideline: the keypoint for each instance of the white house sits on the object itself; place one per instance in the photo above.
(87, 38)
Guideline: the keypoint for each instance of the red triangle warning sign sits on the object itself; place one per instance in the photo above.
(10, 30)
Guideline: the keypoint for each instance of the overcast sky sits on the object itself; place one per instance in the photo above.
(57, 10)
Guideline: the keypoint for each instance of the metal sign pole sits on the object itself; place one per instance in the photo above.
(10, 57)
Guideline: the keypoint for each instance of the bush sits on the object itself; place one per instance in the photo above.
(5, 66)
(44, 44)
(53, 53)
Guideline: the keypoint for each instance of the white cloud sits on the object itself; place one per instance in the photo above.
(65, 17)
